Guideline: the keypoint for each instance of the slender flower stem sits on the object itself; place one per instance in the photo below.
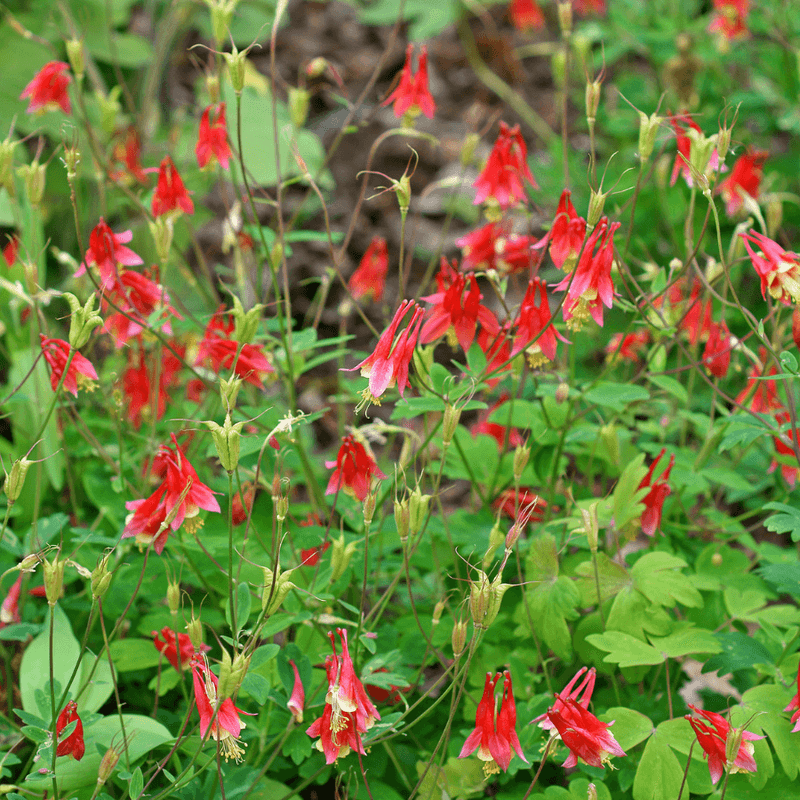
(541, 766)
(53, 700)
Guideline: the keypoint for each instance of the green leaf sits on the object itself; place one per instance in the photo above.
(99, 689)
(672, 386)
(772, 700)
(243, 606)
(630, 727)
(659, 774)
(738, 651)
(132, 654)
(298, 746)
(657, 576)
(414, 406)
(788, 521)
(745, 604)
(634, 614)
(264, 654)
(627, 498)
(257, 686)
(427, 19)
(686, 641)
(743, 430)
(521, 414)
(616, 396)
(785, 578)
(136, 784)
(612, 579)
(625, 650)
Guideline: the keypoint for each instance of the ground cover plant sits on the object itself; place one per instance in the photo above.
(399, 400)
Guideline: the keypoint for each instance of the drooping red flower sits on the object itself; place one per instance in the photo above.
(391, 358)
(73, 744)
(107, 252)
(570, 692)
(348, 710)
(412, 95)
(139, 380)
(592, 287)
(511, 502)
(48, 89)
(744, 180)
(494, 742)
(713, 739)
(309, 556)
(369, 278)
(784, 447)
(227, 725)
(654, 499)
(170, 193)
(178, 654)
(566, 234)
(243, 503)
(730, 19)
(56, 354)
(764, 399)
(627, 347)
(354, 469)
(497, 349)
(140, 298)
(298, 699)
(212, 141)
(586, 736)
(479, 248)
(11, 250)
(504, 436)
(127, 152)
(681, 123)
(9, 610)
(150, 514)
(526, 15)
(696, 313)
(794, 705)
(506, 169)
(584, 7)
(536, 335)
(778, 269)
(717, 353)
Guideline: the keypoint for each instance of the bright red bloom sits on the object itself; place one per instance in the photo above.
(226, 726)
(170, 193)
(73, 745)
(298, 699)
(518, 253)
(784, 447)
(56, 353)
(412, 95)
(717, 353)
(654, 499)
(220, 351)
(138, 382)
(243, 503)
(348, 710)
(536, 335)
(713, 739)
(586, 737)
(592, 287)
(107, 251)
(778, 269)
(566, 234)
(212, 142)
(765, 398)
(354, 471)
(309, 557)
(390, 360)
(696, 319)
(128, 152)
(795, 704)
(454, 314)
(506, 168)
(479, 248)
(496, 430)
(496, 347)
(745, 179)
(11, 249)
(150, 514)
(139, 297)
(681, 124)
(626, 347)
(730, 19)
(369, 278)
(589, 6)
(511, 503)
(494, 744)
(526, 14)
(9, 610)
(48, 89)
(179, 655)
(570, 692)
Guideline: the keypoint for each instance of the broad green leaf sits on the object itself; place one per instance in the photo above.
(136, 783)
(132, 654)
(785, 578)
(657, 576)
(521, 414)
(738, 651)
(744, 605)
(659, 774)
(616, 396)
(627, 497)
(686, 641)
(788, 521)
(625, 650)
(670, 385)
(426, 19)
(414, 406)
(99, 689)
(612, 579)
(743, 430)
(632, 613)
(630, 727)
(243, 606)
(772, 700)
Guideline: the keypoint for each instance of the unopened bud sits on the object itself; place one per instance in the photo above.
(298, 106)
(195, 630)
(29, 563)
(316, 67)
(53, 580)
(471, 141)
(437, 612)
(591, 792)
(591, 525)
(521, 455)
(458, 638)
(369, 507)
(15, 479)
(452, 415)
(417, 510)
(161, 230)
(75, 56)
(562, 393)
(226, 441)
(275, 589)
(597, 201)
(72, 157)
(83, 319)
(401, 519)
(479, 598)
(245, 323)
(648, 128)
(403, 191)
(173, 597)
(108, 763)
(236, 62)
(281, 508)
(7, 164)
(33, 175)
(101, 578)
(496, 538)
(341, 555)
(593, 89)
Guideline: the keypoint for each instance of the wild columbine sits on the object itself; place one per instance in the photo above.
(714, 741)
(348, 713)
(73, 745)
(778, 269)
(298, 699)
(730, 19)
(794, 705)
(717, 353)
(591, 288)
(511, 502)
(170, 193)
(501, 180)
(11, 250)
(654, 499)
(212, 141)
(107, 252)
(355, 469)
(695, 318)
(570, 692)
(412, 96)
(526, 15)
(536, 335)
(479, 248)
(497, 349)
(567, 234)
(179, 498)
(139, 297)
(744, 181)
(369, 278)
(586, 736)
(80, 373)
(390, 360)
(494, 742)
(504, 436)
(784, 447)
(48, 89)
(9, 610)
(223, 718)
(760, 394)
(127, 152)
(627, 347)
(138, 382)
(179, 653)
(681, 124)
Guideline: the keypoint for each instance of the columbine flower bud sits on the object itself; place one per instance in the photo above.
(648, 128)
(468, 148)
(479, 598)
(7, 165)
(593, 89)
(700, 152)
(161, 231)
(173, 597)
(458, 638)
(53, 580)
(403, 191)
(29, 563)
(195, 631)
(591, 792)
(521, 455)
(34, 176)
(562, 393)
(565, 17)
(101, 578)
(276, 586)
(591, 525)
(401, 519)
(417, 510)
(83, 320)
(245, 323)
(108, 763)
(316, 67)
(558, 66)
(236, 61)
(341, 554)
(226, 441)
(449, 423)
(496, 538)
(15, 479)
(437, 613)
(369, 507)
(281, 508)
(298, 105)
(229, 390)
(596, 202)
(75, 56)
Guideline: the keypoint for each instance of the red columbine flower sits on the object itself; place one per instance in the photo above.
(11, 249)
(390, 360)
(170, 193)
(139, 378)
(506, 167)
(626, 347)
(348, 710)
(298, 699)
(150, 514)
(713, 739)
(592, 287)
(494, 744)
(526, 14)
(139, 297)
(745, 179)
(9, 610)
(566, 234)
(717, 353)
(586, 737)
(654, 499)
(226, 725)
(178, 654)
(778, 269)
(764, 399)
(479, 249)
(370, 277)
(48, 89)
(681, 124)
(80, 372)
(496, 347)
(730, 19)
(696, 319)
(73, 744)
(535, 332)
(573, 693)
(512, 503)
(354, 471)
(795, 704)
(784, 446)
(107, 251)
(212, 142)
(412, 96)
(128, 152)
